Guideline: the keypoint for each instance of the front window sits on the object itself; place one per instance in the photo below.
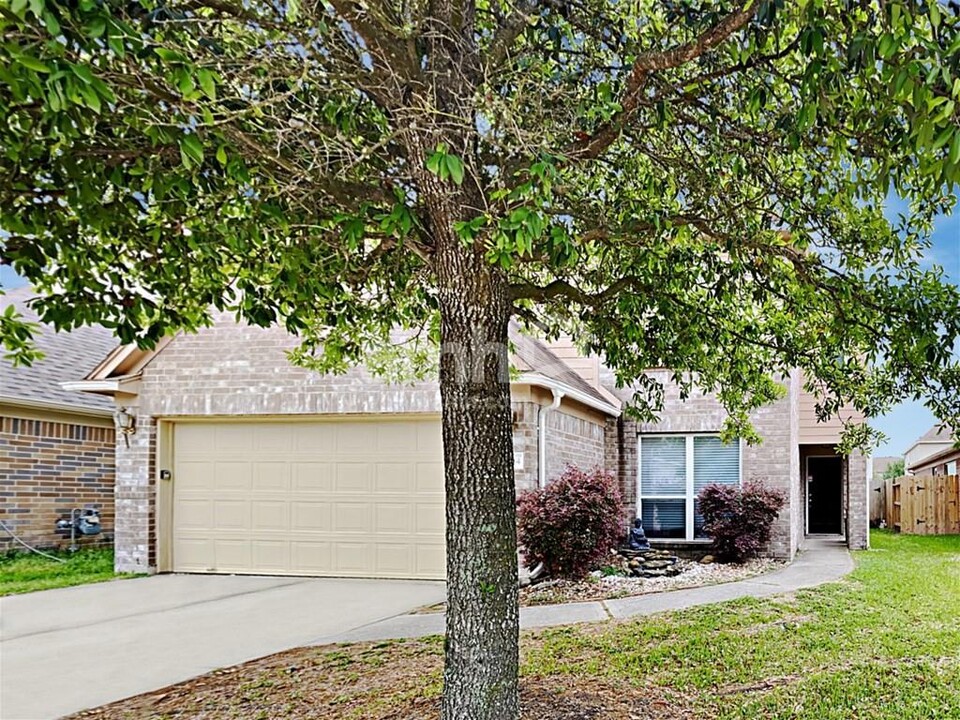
(673, 471)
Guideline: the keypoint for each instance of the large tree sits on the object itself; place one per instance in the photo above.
(692, 184)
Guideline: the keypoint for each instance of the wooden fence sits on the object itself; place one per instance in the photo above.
(922, 504)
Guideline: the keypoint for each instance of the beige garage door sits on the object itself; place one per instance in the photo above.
(339, 498)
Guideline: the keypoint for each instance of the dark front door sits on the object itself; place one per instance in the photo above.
(824, 495)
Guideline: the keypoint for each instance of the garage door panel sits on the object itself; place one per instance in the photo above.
(311, 516)
(354, 477)
(353, 498)
(310, 557)
(233, 437)
(194, 554)
(232, 555)
(193, 474)
(355, 437)
(394, 477)
(394, 560)
(429, 477)
(394, 518)
(312, 476)
(270, 515)
(431, 561)
(195, 514)
(352, 558)
(273, 438)
(397, 437)
(311, 438)
(232, 475)
(351, 517)
(231, 515)
(430, 519)
(270, 475)
(271, 555)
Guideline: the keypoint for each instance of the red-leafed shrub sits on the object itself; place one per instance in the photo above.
(572, 523)
(739, 519)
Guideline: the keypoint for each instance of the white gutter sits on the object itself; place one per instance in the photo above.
(62, 407)
(542, 413)
(568, 391)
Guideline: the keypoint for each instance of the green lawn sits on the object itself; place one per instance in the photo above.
(885, 643)
(23, 572)
(882, 644)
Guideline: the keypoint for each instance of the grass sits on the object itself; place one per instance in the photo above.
(884, 643)
(27, 572)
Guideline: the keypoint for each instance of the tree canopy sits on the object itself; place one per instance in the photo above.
(673, 177)
(690, 184)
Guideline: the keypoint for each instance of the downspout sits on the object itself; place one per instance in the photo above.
(542, 413)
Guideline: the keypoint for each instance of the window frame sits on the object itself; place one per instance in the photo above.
(689, 497)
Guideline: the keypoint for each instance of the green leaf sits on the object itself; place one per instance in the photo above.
(455, 167)
(292, 10)
(954, 156)
(207, 83)
(192, 148)
(434, 162)
(222, 155)
(32, 63)
(97, 27)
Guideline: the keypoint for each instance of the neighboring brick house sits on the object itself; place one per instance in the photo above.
(242, 463)
(56, 447)
(935, 444)
(934, 453)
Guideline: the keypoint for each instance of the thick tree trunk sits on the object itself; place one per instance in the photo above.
(480, 675)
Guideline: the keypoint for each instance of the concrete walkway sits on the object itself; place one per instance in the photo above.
(821, 561)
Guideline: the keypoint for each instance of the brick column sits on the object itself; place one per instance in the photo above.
(134, 498)
(858, 509)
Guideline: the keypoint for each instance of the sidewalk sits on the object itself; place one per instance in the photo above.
(820, 561)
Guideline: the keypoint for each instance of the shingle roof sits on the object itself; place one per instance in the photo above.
(531, 355)
(937, 433)
(67, 356)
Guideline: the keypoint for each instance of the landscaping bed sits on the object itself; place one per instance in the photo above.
(884, 644)
(601, 585)
(22, 572)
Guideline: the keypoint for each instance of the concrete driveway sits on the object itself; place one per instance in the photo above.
(66, 650)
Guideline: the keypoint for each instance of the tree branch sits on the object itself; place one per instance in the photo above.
(650, 62)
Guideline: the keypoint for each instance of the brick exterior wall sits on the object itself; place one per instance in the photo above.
(775, 461)
(573, 440)
(231, 370)
(46, 470)
(526, 460)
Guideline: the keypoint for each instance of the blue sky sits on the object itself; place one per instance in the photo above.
(907, 421)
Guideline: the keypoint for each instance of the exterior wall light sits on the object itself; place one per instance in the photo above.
(125, 423)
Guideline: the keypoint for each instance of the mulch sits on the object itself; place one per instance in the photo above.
(374, 681)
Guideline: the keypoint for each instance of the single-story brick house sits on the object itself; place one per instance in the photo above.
(56, 447)
(242, 463)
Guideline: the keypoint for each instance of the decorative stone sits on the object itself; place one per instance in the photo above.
(654, 573)
(656, 564)
(707, 560)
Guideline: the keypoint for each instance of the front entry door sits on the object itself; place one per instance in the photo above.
(824, 495)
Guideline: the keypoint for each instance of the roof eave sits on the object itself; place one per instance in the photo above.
(129, 384)
(533, 378)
